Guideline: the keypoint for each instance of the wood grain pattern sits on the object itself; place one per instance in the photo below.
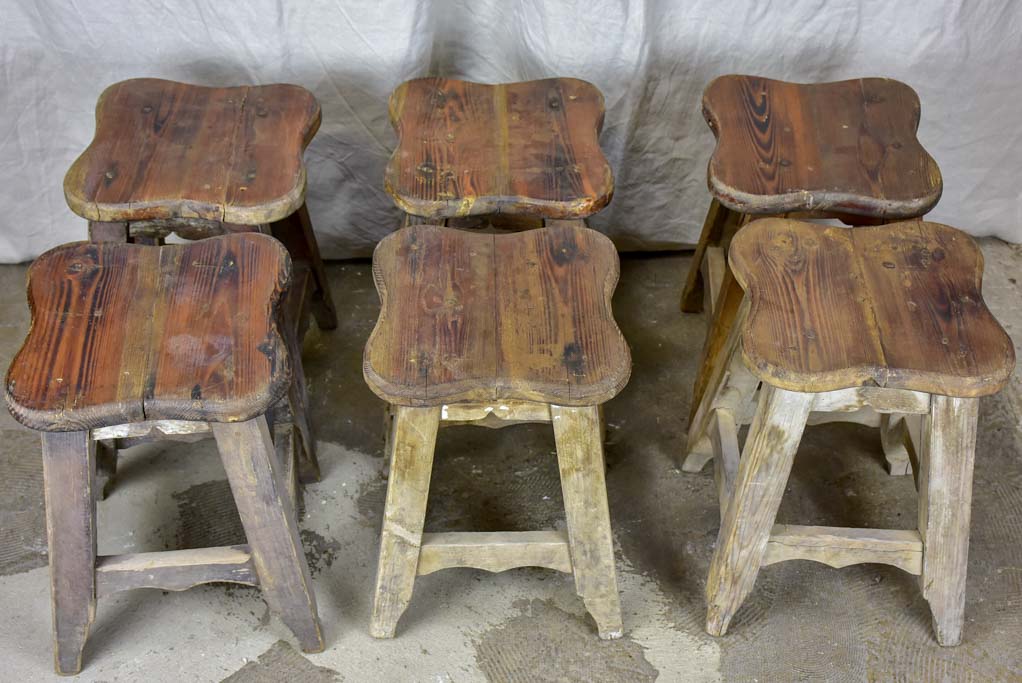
(481, 318)
(69, 477)
(848, 146)
(269, 517)
(945, 508)
(896, 306)
(472, 148)
(745, 527)
(125, 333)
(171, 150)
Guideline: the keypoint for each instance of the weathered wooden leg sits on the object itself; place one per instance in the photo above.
(69, 473)
(108, 232)
(726, 454)
(719, 220)
(580, 459)
(728, 382)
(295, 232)
(745, 529)
(717, 339)
(945, 504)
(268, 515)
(895, 441)
(106, 467)
(412, 440)
(298, 400)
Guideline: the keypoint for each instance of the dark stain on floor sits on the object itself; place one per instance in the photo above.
(319, 550)
(283, 663)
(545, 643)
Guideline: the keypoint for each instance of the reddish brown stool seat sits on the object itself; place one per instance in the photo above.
(496, 329)
(467, 149)
(129, 342)
(837, 319)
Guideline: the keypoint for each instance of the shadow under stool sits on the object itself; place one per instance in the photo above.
(889, 317)
(496, 329)
(172, 158)
(128, 341)
(844, 150)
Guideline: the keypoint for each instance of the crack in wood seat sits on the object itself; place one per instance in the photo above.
(523, 148)
(124, 333)
(154, 136)
(897, 306)
(477, 317)
(848, 147)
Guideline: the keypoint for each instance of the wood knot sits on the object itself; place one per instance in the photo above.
(554, 103)
(889, 265)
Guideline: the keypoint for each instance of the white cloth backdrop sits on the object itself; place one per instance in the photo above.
(651, 59)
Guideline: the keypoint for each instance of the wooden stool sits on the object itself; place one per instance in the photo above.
(889, 317)
(528, 150)
(131, 341)
(513, 328)
(175, 158)
(845, 150)
(169, 157)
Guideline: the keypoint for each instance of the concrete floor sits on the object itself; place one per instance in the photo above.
(803, 621)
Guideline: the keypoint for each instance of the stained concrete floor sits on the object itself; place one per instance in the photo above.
(803, 621)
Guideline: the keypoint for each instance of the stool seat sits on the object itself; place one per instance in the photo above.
(849, 147)
(167, 150)
(124, 333)
(472, 317)
(896, 306)
(524, 148)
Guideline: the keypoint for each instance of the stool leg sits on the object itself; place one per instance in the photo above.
(268, 516)
(945, 505)
(724, 374)
(580, 459)
(412, 440)
(69, 473)
(719, 221)
(295, 232)
(895, 441)
(745, 529)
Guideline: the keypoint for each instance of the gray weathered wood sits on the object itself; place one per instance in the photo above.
(840, 547)
(896, 442)
(762, 475)
(268, 515)
(174, 570)
(726, 454)
(495, 551)
(412, 440)
(580, 460)
(69, 472)
(880, 399)
(945, 502)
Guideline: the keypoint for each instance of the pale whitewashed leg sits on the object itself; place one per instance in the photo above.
(745, 528)
(895, 441)
(580, 459)
(945, 504)
(412, 440)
